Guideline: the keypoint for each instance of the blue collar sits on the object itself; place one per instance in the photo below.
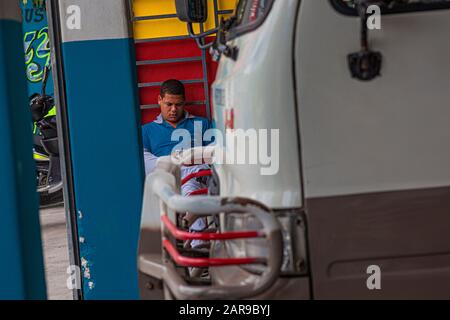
(159, 119)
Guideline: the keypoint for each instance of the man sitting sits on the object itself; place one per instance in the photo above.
(160, 138)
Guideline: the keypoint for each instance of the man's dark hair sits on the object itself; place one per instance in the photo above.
(173, 87)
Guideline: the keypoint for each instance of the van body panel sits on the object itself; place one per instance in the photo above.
(405, 233)
(375, 154)
(259, 88)
(388, 134)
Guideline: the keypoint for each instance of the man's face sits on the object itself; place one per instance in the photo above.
(172, 107)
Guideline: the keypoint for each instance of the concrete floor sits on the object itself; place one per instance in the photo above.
(56, 256)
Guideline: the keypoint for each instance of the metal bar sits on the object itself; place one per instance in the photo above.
(158, 84)
(207, 262)
(205, 78)
(156, 106)
(164, 61)
(174, 15)
(155, 17)
(150, 106)
(216, 13)
(220, 12)
(150, 40)
(184, 235)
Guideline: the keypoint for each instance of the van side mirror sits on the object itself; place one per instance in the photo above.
(192, 11)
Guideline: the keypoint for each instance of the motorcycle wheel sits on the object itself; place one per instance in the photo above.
(46, 199)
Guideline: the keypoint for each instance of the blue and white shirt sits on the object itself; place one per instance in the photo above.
(161, 139)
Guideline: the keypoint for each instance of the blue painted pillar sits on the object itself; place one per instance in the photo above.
(103, 118)
(21, 263)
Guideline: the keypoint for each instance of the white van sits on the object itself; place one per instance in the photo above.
(359, 206)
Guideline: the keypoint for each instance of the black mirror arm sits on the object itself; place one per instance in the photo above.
(203, 46)
(365, 64)
(220, 46)
(201, 35)
(364, 33)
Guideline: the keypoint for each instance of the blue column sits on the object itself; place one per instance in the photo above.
(21, 263)
(106, 151)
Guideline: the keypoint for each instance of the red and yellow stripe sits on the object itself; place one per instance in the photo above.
(160, 48)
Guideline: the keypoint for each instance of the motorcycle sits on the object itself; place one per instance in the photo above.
(46, 150)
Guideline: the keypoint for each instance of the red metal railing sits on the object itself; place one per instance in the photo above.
(178, 234)
(199, 192)
(184, 235)
(206, 262)
(202, 173)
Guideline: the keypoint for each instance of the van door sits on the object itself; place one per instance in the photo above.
(376, 153)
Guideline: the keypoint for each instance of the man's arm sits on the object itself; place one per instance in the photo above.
(149, 158)
(150, 162)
